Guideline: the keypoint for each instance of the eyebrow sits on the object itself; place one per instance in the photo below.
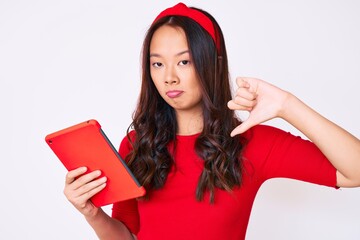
(178, 54)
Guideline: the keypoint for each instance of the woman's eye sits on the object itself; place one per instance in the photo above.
(184, 62)
(157, 64)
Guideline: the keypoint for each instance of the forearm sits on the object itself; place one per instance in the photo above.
(106, 227)
(339, 146)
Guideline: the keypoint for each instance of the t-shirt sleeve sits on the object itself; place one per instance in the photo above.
(126, 211)
(275, 153)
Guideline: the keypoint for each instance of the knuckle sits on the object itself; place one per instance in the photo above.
(237, 99)
(78, 203)
(66, 191)
(68, 174)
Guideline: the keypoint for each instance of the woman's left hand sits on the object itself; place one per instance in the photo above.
(262, 100)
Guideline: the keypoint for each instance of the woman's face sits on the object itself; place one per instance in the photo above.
(173, 71)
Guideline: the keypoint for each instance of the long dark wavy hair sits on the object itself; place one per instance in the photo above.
(155, 123)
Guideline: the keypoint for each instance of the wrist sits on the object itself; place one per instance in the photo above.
(287, 105)
(94, 216)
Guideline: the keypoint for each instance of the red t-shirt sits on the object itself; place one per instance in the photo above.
(173, 211)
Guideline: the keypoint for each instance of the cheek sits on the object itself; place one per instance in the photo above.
(158, 82)
(195, 86)
(155, 80)
(199, 96)
(160, 89)
(153, 76)
(157, 86)
(196, 92)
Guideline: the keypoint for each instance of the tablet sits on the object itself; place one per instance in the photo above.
(85, 144)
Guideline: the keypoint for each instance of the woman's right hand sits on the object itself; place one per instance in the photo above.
(80, 188)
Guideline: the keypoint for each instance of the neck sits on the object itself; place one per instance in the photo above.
(189, 122)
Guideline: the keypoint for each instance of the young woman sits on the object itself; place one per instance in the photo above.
(201, 166)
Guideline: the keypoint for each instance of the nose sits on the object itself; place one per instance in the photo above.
(171, 77)
(171, 81)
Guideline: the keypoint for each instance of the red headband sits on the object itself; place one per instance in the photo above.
(181, 9)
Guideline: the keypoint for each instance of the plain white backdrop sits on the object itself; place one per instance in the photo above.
(63, 62)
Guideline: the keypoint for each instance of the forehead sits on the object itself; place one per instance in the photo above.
(168, 39)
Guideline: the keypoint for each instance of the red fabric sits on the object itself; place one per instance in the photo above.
(173, 212)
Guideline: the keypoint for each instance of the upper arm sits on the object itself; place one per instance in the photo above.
(279, 154)
(342, 181)
(127, 213)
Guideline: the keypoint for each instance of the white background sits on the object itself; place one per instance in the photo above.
(63, 62)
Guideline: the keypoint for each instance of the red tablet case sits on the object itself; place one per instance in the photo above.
(85, 144)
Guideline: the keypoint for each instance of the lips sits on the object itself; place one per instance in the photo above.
(174, 93)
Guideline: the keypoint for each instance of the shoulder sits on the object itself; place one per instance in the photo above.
(261, 140)
(263, 132)
(129, 137)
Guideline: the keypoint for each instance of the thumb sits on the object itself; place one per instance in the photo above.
(243, 127)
